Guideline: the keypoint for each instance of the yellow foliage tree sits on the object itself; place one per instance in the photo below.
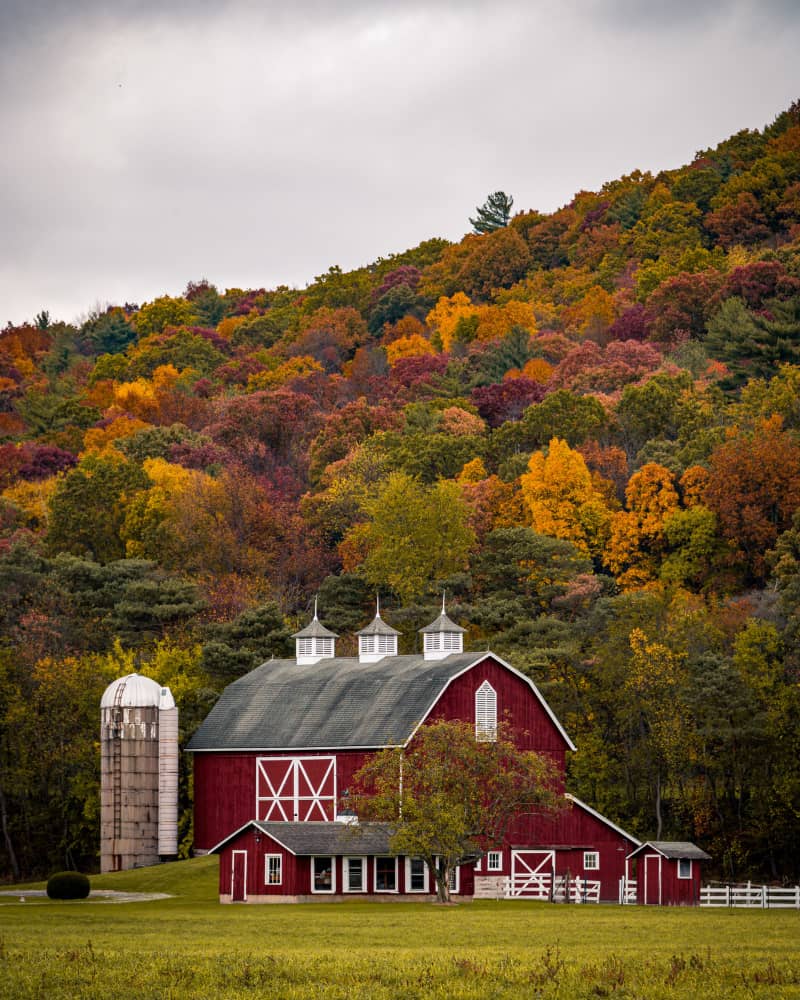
(562, 500)
(101, 439)
(33, 500)
(496, 322)
(637, 538)
(444, 316)
(408, 347)
(290, 370)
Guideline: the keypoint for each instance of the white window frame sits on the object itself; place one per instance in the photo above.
(455, 878)
(432, 643)
(486, 713)
(346, 873)
(494, 861)
(384, 857)
(591, 861)
(267, 859)
(323, 857)
(323, 646)
(426, 876)
(681, 863)
(305, 647)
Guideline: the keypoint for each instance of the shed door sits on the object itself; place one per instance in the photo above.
(295, 788)
(652, 879)
(239, 876)
(532, 873)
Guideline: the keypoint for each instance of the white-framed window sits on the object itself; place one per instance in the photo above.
(494, 861)
(416, 875)
(591, 861)
(366, 644)
(385, 874)
(305, 647)
(355, 875)
(387, 644)
(273, 869)
(486, 713)
(323, 874)
(454, 881)
(431, 641)
(324, 647)
(684, 867)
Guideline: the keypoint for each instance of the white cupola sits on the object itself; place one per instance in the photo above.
(314, 642)
(377, 640)
(442, 637)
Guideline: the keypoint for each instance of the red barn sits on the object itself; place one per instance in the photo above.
(278, 752)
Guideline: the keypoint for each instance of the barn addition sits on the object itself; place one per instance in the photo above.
(667, 873)
(275, 758)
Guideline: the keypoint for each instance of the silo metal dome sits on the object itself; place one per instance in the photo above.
(136, 691)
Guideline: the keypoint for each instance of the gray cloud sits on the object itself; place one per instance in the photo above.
(177, 140)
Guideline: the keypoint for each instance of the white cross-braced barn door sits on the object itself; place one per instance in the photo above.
(295, 788)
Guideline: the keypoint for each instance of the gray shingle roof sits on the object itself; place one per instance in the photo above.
(443, 624)
(378, 627)
(315, 629)
(674, 849)
(332, 704)
(331, 838)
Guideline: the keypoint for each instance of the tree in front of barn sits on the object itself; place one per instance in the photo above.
(450, 796)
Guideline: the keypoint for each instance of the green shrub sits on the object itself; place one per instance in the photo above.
(68, 885)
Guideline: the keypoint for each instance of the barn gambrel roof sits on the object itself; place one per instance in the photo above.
(339, 703)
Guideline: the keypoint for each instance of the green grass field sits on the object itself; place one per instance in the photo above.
(190, 946)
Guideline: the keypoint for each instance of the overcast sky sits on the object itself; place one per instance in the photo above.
(149, 142)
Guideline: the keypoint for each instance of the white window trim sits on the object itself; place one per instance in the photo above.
(591, 861)
(498, 866)
(486, 713)
(684, 861)
(346, 873)
(267, 859)
(375, 873)
(455, 878)
(233, 873)
(332, 860)
(425, 872)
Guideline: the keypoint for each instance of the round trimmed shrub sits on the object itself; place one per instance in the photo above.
(68, 885)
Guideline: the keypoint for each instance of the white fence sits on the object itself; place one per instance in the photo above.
(760, 897)
(627, 891)
(540, 886)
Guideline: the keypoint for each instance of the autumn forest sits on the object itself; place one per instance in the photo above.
(583, 427)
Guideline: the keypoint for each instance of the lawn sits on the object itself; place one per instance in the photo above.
(190, 946)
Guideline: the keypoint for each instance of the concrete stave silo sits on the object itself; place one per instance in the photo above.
(139, 774)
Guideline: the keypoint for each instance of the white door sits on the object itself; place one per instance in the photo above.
(532, 873)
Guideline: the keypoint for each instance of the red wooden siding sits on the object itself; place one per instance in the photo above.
(225, 789)
(516, 704)
(657, 881)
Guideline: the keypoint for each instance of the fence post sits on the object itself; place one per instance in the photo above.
(729, 894)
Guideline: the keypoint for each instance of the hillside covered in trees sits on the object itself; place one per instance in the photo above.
(584, 426)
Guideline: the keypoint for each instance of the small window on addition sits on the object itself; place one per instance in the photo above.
(494, 861)
(416, 875)
(684, 867)
(273, 869)
(591, 861)
(355, 875)
(322, 875)
(385, 874)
